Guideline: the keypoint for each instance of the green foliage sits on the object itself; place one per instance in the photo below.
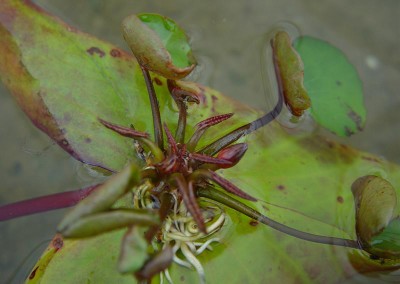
(387, 243)
(302, 181)
(333, 85)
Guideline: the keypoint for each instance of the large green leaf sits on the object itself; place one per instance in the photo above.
(65, 79)
(303, 182)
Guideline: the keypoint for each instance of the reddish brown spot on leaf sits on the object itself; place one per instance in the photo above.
(115, 53)
(371, 159)
(214, 100)
(253, 223)
(33, 273)
(340, 199)
(58, 243)
(280, 187)
(356, 118)
(157, 81)
(95, 50)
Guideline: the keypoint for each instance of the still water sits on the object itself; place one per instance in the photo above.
(224, 37)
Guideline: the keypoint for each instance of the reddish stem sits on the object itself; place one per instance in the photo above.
(155, 109)
(44, 203)
(171, 140)
(225, 184)
(211, 160)
(189, 198)
(124, 131)
(202, 126)
(213, 120)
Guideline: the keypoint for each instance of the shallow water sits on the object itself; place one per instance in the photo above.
(225, 39)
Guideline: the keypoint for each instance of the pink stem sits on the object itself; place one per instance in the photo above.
(44, 203)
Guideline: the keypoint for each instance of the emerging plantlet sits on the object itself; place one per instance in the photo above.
(171, 200)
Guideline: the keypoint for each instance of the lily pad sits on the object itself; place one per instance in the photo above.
(333, 85)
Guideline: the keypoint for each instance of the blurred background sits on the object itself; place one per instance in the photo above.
(225, 37)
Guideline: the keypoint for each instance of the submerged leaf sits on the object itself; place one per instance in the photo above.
(289, 68)
(333, 85)
(159, 44)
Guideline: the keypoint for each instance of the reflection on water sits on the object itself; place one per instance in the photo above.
(223, 36)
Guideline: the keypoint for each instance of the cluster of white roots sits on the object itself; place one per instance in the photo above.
(180, 231)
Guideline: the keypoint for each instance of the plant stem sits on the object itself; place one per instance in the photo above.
(155, 109)
(246, 129)
(175, 93)
(44, 203)
(226, 200)
(167, 202)
(234, 135)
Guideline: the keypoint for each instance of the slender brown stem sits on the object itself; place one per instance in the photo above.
(226, 200)
(155, 109)
(177, 96)
(180, 130)
(189, 199)
(246, 129)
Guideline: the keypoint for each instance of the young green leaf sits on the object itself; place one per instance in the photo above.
(333, 85)
(96, 224)
(159, 45)
(387, 243)
(103, 197)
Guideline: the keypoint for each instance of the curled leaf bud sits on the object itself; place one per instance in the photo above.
(290, 73)
(159, 45)
(377, 226)
(233, 154)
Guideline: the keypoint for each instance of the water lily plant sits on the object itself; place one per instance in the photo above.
(194, 175)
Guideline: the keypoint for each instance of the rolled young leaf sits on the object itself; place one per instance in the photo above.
(159, 45)
(290, 73)
(104, 196)
(107, 221)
